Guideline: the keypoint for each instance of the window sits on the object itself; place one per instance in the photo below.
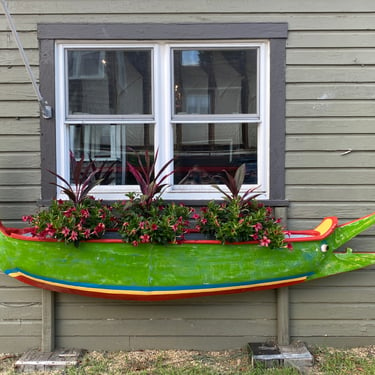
(205, 102)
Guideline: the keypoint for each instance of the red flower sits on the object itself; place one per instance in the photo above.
(145, 238)
(258, 227)
(154, 227)
(74, 236)
(99, 228)
(86, 233)
(68, 213)
(265, 241)
(65, 231)
(85, 213)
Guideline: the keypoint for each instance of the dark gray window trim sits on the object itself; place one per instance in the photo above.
(276, 33)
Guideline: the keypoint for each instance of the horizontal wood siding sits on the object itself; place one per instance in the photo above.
(20, 316)
(335, 311)
(330, 160)
(216, 322)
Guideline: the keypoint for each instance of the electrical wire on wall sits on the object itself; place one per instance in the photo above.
(46, 110)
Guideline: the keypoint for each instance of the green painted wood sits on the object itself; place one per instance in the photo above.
(20, 310)
(20, 193)
(172, 311)
(193, 6)
(330, 125)
(302, 39)
(17, 327)
(18, 344)
(359, 108)
(333, 294)
(19, 109)
(19, 126)
(29, 40)
(326, 143)
(338, 73)
(173, 270)
(296, 21)
(332, 56)
(16, 92)
(330, 159)
(157, 342)
(330, 91)
(326, 177)
(20, 160)
(311, 193)
(19, 177)
(320, 311)
(333, 327)
(12, 57)
(163, 327)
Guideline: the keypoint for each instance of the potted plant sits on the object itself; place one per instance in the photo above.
(153, 260)
(241, 218)
(145, 217)
(81, 217)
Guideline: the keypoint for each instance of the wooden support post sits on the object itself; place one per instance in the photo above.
(282, 299)
(48, 321)
(283, 334)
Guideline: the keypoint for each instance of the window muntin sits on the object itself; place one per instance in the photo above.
(223, 127)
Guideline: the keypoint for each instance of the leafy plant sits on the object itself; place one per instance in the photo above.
(150, 182)
(234, 184)
(235, 221)
(240, 218)
(155, 222)
(72, 222)
(85, 178)
(80, 218)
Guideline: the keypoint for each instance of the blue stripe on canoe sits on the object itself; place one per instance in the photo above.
(154, 288)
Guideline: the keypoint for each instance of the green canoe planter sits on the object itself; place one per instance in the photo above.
(109, 268)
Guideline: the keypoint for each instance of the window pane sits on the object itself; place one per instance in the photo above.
(208, 81)
(108, 146)
(202, 151)
(106, 82)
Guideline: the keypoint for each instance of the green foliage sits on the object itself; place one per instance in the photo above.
(72, 221)
(85, 178)
(151, 183)
(239, 221)
(151, 221)
(234, 184)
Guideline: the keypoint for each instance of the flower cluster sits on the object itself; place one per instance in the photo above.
(238, 221)
(72, 222)
(155, 221)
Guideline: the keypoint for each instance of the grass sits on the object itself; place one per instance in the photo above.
(329, 361)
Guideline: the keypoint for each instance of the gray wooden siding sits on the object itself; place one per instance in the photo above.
(330, 109)
(219, 322)
(20, 316)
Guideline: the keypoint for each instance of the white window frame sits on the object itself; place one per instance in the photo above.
(162, 116)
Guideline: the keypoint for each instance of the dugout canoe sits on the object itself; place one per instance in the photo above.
(109, 268)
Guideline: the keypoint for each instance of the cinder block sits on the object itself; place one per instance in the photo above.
(35, 360)
(270, 355)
